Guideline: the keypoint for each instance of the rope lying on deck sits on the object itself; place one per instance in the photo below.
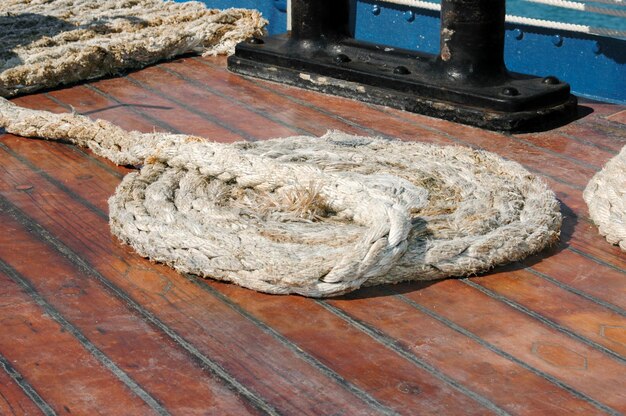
(48, 43)
(312, 216)
(606, 197)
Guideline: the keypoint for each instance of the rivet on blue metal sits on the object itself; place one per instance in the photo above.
(519, 35)
(375, 10)
(409, 16)
(557, 40)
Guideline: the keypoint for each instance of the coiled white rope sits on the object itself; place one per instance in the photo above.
(606, 198)
(312, 216)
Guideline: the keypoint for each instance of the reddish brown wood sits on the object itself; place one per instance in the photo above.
(252, 356)
(249, 94)
(584, 274)
(13, 399)
(255, 126)
(619, 117)
(66, 376)
(507, 384)
(567, 309)
(311, 358)
(393, 380)
(580, 366)
(146, 102)
(130, 342)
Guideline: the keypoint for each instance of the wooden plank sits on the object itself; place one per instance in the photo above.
(259, 99)
(13, 398)
(212, 74)
(145, 354)
(251, 96)
(203, 73)
(580, 366)
(506, 383)
(555, 142)
(144, 102)
(251, 356)
(393, 380)
(61, 175)
(211, 104)
(574, 314)
(32, 341)
(582, 273)
(358, 115)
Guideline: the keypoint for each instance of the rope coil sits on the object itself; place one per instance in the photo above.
(605, 196)
(312, 216)
(44, 44)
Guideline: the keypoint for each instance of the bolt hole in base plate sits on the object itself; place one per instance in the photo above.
(406, 80)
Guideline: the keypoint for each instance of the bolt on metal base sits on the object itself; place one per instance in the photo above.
(467, 82)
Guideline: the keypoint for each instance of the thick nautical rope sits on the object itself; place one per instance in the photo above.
(312, 216)
(606, 198)
(48, 43)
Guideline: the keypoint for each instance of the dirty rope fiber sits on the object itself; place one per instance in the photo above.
(44, 44)
(606, 197)
(313, 216)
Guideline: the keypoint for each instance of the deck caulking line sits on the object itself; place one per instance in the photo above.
(393, 345)
(214, 368)
(588, 143)
(26, 387)
(613, 308)
(55, 182)
(256, 111)
(202, 114)
(450, 324)
(132, 107)
(598, 261)
(82, 339)
(328, 372)
(616, 356)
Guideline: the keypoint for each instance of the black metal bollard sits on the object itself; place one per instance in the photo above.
(472, 40)
(320, 20)
(467, 82)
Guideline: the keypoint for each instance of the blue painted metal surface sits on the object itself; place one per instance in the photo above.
(595, 66)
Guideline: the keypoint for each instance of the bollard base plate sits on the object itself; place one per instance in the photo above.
(406, 80)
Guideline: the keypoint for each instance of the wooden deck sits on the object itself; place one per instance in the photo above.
(88, 327)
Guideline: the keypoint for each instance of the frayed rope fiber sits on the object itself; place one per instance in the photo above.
(312, 216)
(605, 196)
(46, 43)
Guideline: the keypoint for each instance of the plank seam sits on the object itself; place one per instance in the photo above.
(571, 289)
(395, 346)
(205, 362)
(192, 110)
(596, 260)
(79, 199)
(545, 321)
(132, 107)
(100, 356)
(510, 357)
(378, 133)
(232, 100)
(327, 371)
(26, 387)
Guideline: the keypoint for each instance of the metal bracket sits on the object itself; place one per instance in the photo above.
(467, 82)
